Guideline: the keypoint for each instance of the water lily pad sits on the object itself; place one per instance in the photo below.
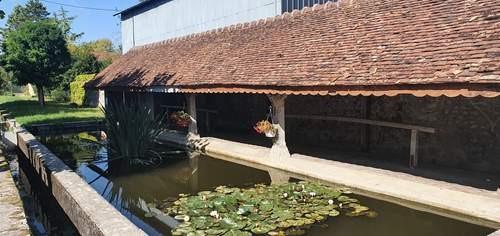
(265, 206)
(237, 233)
(334, 213)
(289, 208)
(230, 223)
(262, 229)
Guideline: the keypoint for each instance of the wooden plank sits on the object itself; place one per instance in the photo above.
(181, 107)
(414, 149)
(365, 121)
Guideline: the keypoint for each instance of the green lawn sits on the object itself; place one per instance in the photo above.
(27, 111)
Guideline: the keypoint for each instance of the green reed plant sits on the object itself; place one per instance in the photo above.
(132, 130)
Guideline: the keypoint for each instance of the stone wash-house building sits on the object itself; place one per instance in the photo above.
(357, 80)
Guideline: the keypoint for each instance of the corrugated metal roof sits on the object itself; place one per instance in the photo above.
(140, 7)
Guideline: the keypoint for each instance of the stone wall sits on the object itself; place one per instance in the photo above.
(467, 129)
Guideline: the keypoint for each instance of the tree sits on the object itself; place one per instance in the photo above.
(6, 78)
(37, 53)
(2, 13)
(33, 11)
(83, 61)
(64, 21)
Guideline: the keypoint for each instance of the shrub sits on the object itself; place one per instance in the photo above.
(77, 90)
(59, 95)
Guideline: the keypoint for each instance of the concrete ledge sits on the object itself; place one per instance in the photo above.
(497, 233)
(89, 211)
(68, 127)
(438, 197)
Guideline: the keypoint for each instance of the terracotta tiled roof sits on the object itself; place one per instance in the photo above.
(355, 45)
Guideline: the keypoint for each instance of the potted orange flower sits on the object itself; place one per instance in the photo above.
(181, 119)
(265, 127)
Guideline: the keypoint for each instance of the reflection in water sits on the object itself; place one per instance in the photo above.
(138, 195)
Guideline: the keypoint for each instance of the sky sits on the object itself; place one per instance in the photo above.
(95, 24)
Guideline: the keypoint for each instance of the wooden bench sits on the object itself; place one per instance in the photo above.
(415, 130)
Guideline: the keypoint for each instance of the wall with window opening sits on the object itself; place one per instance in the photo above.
(290, 5)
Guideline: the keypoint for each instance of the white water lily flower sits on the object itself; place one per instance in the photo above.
(312, 194)
(214, 214)
(330, 202)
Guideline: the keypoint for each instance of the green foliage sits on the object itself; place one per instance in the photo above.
(36, 52)
(85, 61)
(27, 112)
(284, 209)
(2, 13)
(132, 131)
(59, 95)
(64, 21)
(6, 79)
(77, 89)
(33, 11)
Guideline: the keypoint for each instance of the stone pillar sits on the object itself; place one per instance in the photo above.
(278, 176)
(279, 149)
(191, 110)
(194, 158)
(101, 98)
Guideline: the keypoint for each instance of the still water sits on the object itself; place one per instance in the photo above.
(138, 195)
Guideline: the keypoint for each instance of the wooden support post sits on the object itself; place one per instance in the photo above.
(279, 149)
(366, 139)
(414, 149)
(207, 122)
(150, 103)
(191, 110)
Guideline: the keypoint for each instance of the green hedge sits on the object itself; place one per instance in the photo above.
(77, 90)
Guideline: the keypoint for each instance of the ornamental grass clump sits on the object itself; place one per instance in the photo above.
(283, 209)
(132, 131)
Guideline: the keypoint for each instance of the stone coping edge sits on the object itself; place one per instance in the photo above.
(367, 181)
(89, 211)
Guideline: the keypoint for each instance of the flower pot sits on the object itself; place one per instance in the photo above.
(270, 133)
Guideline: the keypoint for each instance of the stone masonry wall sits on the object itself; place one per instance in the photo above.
(467, 129)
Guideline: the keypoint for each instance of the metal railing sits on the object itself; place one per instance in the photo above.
(290, 5)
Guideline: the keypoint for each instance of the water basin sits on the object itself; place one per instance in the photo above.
(137, 194)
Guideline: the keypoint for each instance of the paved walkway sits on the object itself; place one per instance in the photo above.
(451, 200)
(12, 217)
